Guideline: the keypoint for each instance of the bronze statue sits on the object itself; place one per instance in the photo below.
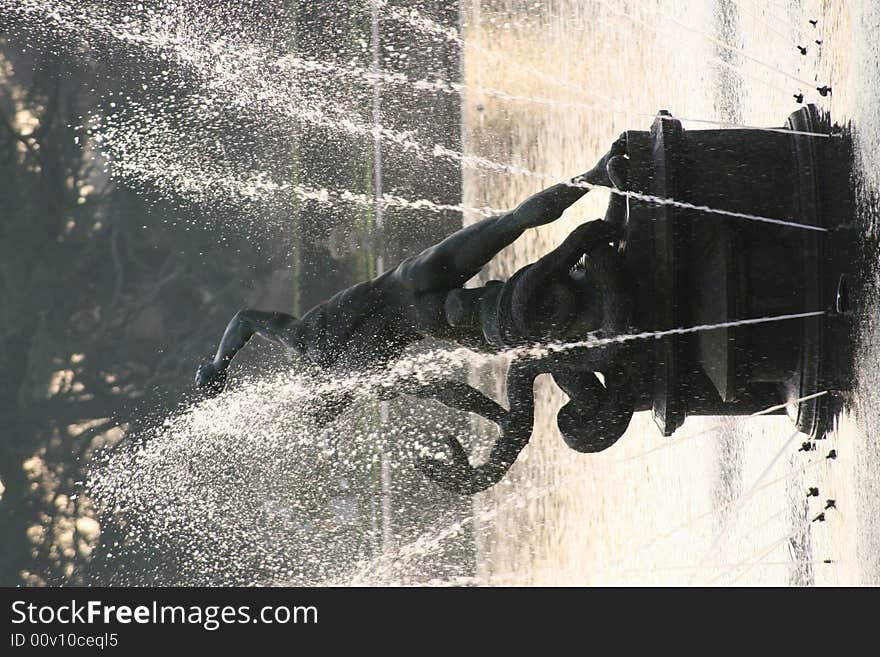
(577, 289)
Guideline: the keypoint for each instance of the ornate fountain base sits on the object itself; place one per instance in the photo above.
(696, 267)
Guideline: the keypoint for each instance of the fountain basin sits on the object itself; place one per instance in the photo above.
(696, 267)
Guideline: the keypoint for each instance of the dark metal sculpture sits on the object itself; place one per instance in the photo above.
(370, 324)
(662, 259)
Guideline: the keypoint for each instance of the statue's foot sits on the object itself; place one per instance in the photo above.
(210, 380)
(618, 147)
(618, 170)
(601, 174)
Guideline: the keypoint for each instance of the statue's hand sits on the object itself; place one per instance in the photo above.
(210, 379)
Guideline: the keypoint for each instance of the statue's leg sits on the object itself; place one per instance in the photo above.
(273, 326)
(459, 257)
(530, 291)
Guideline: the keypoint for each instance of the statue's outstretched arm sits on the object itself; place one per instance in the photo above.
(273, 326)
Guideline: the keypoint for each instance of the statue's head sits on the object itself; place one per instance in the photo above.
(462, 306)
(551, 312)
(548, 309)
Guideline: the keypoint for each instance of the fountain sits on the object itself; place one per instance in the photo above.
(697, 267)
(711, 285)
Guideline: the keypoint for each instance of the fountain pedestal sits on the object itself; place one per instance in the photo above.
(694, 267)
